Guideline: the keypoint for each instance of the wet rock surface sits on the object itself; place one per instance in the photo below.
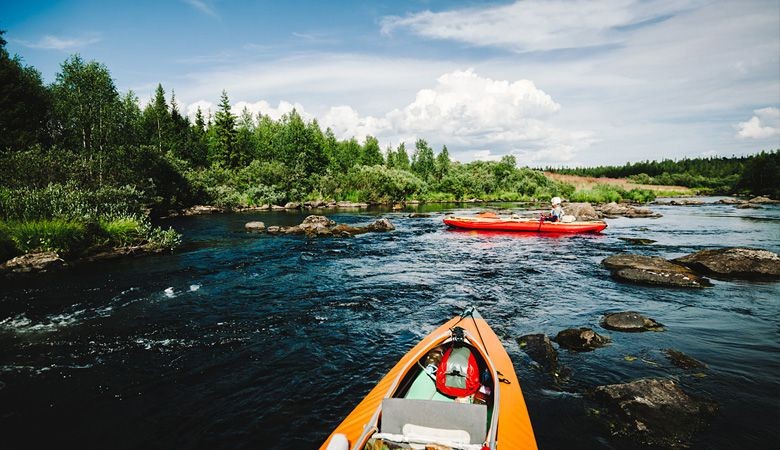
(581, 211)
(637, 241)
(630, 321)
(734, 262)
(654, 412)
(418, 215)
(321, 226)
(683, 361)
(581, 339)
(540, 349)
(203, 209)
(763, 200)
(255, 226)
(32, 263)
(614, 210)
(653, 270)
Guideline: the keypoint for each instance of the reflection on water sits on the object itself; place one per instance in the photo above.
(252, 341)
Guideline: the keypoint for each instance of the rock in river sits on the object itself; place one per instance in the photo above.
(255, 226)
(322, 226)
(683, 361)
(652, 270)
(581, 339)
(32, 263)
(540, 349)
(581, 211)
(654, 412)
(630, 321)
(637, 241)
(613, 209)
(734, 262)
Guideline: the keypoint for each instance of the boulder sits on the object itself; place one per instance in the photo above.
(637, 241)
(32, 263)
(277, 208)
(683, 361)
(763, 200)
(654, 412)
(749, 206)
(540, 349)
(314, 204)
(418, 215)
(273, 229)
(292, 205)
(581, 211)
(313, 220)
(397, 207)
(381, 225)
(255, 226)
(351, 205)
(612, 210)
(731, 201)
(685, 202)
(630, 321)
(652, 270)
(202, 209)
(734, 262)
(581, 339)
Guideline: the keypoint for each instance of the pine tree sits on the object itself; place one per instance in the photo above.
(423, 163)
(224, 144)
(402, 158)
(371, 154)
(442, 163)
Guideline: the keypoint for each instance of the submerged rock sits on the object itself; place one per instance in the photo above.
(581, 339)
(630, 321)
(581, 211)
(418, 215)
(292, 205)
(539, 348)
(652, 270)
(683, 361)
(654, 411)
(637, 241)
(749, 206)
(32, 263)
(731, 201)
(734, 262)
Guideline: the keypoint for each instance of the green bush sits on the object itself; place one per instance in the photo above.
(605, 193)
(124, 231)
(62, 236)
(7, 245)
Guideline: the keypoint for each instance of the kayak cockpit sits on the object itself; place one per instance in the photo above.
(419, 414)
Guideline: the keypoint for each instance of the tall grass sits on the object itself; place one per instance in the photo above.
(605, 193)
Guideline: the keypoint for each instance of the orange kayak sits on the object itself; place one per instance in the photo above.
(493, 222)
(409, 407)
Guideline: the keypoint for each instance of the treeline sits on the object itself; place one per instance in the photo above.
(83, 164)
(756, 174)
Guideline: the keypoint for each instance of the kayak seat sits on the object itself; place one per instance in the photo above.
(460, 419)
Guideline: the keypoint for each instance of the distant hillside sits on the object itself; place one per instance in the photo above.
(755, 174)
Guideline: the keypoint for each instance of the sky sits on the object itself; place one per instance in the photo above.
(561, 83)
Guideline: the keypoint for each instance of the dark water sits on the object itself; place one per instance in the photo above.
(253, 341)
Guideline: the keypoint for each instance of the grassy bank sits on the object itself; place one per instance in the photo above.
(74, 222)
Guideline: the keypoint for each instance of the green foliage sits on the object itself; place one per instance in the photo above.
(380, 184)
(25, 104)
(605, 193)
(59, 235)
(123, 231)
(762, 175)
(423, 163)
(371, 154)
(86, 106)
(223, 140)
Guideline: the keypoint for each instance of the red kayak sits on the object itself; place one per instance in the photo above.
(490, 221)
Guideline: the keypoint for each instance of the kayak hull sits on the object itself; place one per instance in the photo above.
(498, 224)
(514, 430)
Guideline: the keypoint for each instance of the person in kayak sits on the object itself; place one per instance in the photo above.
(557, 211)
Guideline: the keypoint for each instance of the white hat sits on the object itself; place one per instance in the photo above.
(556, 200)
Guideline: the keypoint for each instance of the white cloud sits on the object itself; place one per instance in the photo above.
(263, 107)
(206, 108)
(764, 124)
(535, 25)
(202, 6)
(50, 42)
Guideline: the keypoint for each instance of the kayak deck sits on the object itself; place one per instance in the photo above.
(532, 225)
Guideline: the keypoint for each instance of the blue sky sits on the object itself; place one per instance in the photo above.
(552, 82)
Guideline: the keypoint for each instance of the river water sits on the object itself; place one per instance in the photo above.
(242, 340)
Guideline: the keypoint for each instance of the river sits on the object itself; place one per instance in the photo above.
(242, 340)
